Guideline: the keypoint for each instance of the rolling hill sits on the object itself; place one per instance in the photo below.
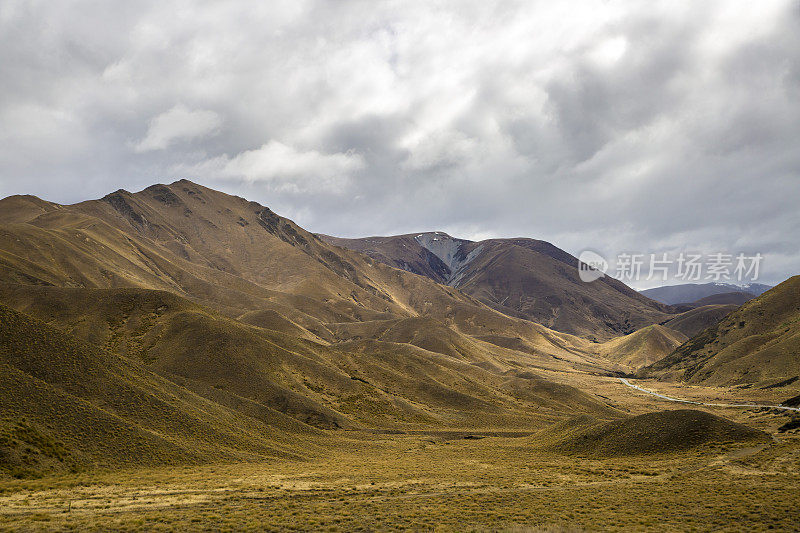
(757, 344)
(692, 322)
(67, 405)
(660, 432)
(377, 374)
(642, 347)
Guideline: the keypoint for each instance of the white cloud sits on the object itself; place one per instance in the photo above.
(610, 51)
(283, 166)
(178, 124)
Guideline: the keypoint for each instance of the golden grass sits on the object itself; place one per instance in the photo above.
(426, 483)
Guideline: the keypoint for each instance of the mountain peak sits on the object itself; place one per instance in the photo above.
(183, 181)
(433, 235)
(448, 249)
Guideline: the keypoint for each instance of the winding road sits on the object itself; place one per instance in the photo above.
(631, 385)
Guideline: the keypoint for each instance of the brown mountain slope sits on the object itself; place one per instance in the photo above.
(757, 344)
(525, 278)
(65, 404)
(402, 252)
(225, 252)
(524, 281)
(448, 379)
(642, 347)
(214, 253)
(217, 357)
(725, 298)
(692, 322)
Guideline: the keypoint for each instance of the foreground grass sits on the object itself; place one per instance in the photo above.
(426, 483)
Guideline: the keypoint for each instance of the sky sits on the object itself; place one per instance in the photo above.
(618, 127)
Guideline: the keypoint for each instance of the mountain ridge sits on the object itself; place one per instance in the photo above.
(688, 293)
(520, 277)
(240, 257)
(754, 345)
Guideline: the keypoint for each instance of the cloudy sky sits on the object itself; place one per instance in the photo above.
(651, 127)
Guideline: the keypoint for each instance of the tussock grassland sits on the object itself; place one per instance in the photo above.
(427, 483)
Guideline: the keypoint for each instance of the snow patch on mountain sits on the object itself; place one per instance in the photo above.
(449, 250)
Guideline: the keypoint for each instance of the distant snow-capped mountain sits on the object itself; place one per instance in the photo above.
(691, 292)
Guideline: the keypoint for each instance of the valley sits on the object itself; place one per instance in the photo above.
(365, 481)
(180, 358)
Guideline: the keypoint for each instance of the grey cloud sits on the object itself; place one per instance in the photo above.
(605, 125)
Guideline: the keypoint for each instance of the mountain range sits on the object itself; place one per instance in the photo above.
(180, 324)
(524, 278)
(221, 302)
(703, 293)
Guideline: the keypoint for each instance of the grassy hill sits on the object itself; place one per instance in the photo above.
(412, 371)
(692, 322)
(67, 405)
(642, 347)
(660, 432)
(125, 377)
(756, 344)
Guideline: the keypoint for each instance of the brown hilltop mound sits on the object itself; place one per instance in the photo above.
(651, 433)
(642, 347)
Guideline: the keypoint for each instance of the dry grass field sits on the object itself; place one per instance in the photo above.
(430, 482)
